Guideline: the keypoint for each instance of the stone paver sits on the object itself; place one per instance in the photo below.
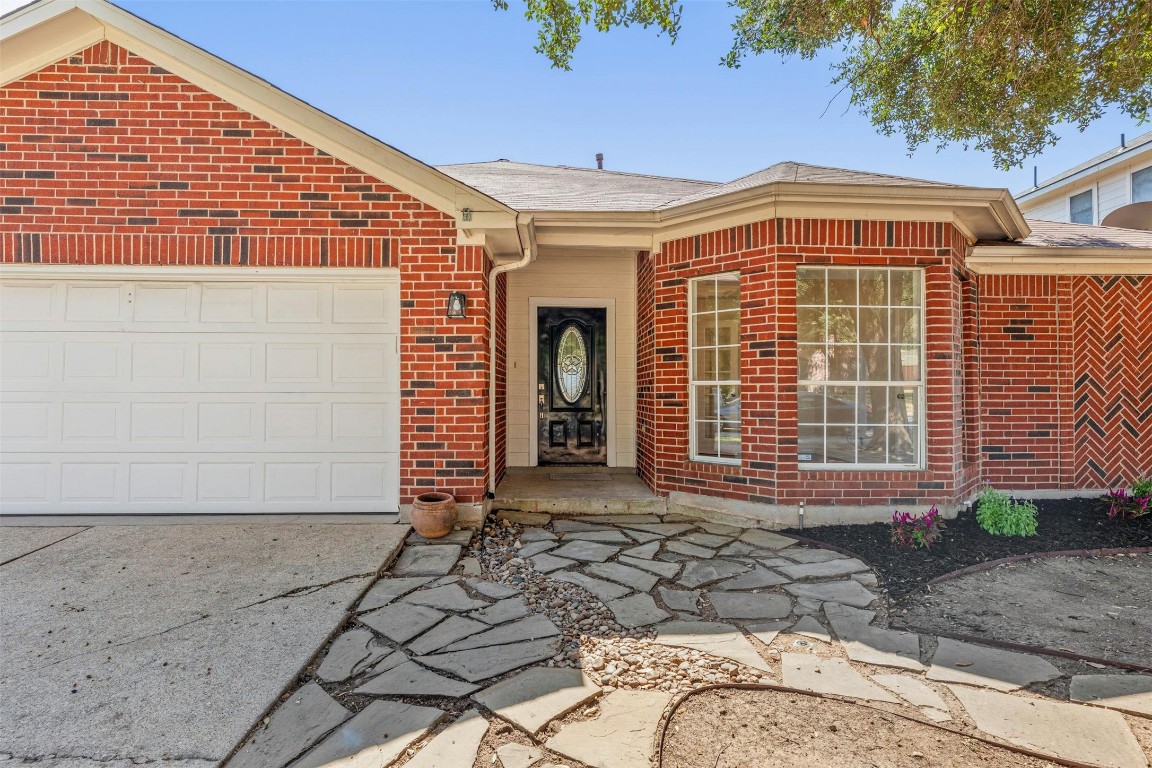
(461, 537)
(448, 631)
(809, 627)
(411, 679)
(662, 569)
(801, 555)
(626, 575)
(535, 548)
(450, 597)
(400, 622)
(644, 537)
(296, 725)
(706, 539)
(1129, 693)
(603, 537)
(680, 599)
(766, 631)
(836, 676)
(744, 605)
(492, 589)
(426, 560)
(387, 590)
(623, 736)
(532, 535)
(570, 526)
(759, 578)
(689, 550)
(546, 563)
(513, 755)
(916, 693)
(644, 551)
(715, 638)
(455, 746)
(482, 663)
(505, 610)
(843, 592)
(766, 539)
(724, 530)
(352, 653)
(1071, 731)
(535, 697)
(957, 662)
(873, 645)
(533, 627)
(700, 572)
(374, 737)
(826, 570)
(605, 590)
(637, 611)
(588, 551)
(661, 529)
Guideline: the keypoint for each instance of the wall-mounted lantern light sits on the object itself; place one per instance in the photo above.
(457, 303)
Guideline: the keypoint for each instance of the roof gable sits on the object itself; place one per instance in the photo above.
(36, 35)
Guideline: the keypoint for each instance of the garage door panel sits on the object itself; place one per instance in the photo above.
(186, 395)
(203, 482)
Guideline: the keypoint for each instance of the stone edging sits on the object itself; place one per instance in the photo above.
(675, 705)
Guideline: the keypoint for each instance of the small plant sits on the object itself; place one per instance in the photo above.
(918, 531)
(1128, 505)
(999, 515)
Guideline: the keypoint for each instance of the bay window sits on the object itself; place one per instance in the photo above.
(860, 350)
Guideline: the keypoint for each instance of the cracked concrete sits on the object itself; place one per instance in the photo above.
(163, 644)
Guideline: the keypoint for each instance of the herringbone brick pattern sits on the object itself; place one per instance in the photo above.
(1112, 361)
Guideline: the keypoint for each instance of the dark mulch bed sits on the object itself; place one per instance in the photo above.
(1064, 524)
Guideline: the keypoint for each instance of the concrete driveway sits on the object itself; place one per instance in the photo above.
(164, 643)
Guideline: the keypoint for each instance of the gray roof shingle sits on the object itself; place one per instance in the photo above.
(1059, 234)
(530, 187)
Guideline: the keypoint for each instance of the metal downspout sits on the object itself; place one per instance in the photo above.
(528, 250)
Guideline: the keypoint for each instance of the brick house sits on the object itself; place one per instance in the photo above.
(219, 299)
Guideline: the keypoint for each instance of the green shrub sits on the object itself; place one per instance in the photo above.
(1143, 486)
(999, 515)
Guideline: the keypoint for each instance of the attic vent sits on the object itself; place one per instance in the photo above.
(599, 161)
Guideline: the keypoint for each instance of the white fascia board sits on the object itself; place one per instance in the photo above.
(1025, 260)
(245, 91)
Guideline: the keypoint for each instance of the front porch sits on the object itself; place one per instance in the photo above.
(577, 490)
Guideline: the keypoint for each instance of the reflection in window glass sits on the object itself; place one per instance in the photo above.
(860, 372)
(715, 363)
(1080, 208)
(1142, 185)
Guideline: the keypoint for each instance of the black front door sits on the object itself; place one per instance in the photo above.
(571, 387)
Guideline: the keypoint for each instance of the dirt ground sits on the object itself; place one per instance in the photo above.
(772, 729)
(1098, 606)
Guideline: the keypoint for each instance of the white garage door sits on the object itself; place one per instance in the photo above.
(199, 390)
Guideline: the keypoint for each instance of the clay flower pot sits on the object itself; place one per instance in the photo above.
(434, 514)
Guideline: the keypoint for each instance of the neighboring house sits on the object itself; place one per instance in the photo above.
(219, 299)
(1113, 189)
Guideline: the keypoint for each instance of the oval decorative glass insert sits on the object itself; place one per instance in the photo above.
(571, 364)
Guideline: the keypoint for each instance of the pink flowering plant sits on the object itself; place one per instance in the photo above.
(917, 531)
(1128, 505)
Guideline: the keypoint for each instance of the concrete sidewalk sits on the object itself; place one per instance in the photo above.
(166, 643)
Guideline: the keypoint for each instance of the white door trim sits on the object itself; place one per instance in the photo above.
(609, 305)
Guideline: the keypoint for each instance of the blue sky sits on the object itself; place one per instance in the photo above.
(458, 82)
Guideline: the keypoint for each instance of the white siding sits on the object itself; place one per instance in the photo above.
(1053, 210)
(572, 274)
(1115, 192)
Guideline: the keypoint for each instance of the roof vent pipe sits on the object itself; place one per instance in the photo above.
(1035, 176)
(599, 161)
(1122, 144)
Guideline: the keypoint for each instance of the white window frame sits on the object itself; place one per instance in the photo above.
(1095, 204)
(693, 382)
(922, 385)
(1132, 184)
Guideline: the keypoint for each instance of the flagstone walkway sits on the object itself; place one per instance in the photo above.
(561, 642)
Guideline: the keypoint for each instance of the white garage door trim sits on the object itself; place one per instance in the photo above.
(199, 390)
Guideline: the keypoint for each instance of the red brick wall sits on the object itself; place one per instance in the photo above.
(107, 159)
(767, 254)
(645, 369)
